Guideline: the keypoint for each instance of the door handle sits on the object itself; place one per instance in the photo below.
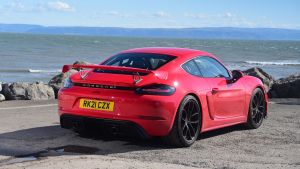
(214, 90)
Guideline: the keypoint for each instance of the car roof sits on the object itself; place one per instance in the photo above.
(179, 52)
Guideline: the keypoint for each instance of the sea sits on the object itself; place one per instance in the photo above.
(35, 57)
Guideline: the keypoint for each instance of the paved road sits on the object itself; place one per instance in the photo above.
(30, 137)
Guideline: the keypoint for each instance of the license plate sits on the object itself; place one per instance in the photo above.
(96, 105)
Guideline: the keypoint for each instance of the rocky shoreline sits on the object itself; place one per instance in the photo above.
(288, 87)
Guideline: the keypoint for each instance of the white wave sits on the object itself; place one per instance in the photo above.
(43, 71)
(29, 71)
(279, 63)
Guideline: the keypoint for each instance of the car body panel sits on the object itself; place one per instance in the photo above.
(222, 103)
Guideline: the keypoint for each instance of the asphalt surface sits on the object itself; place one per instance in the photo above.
(30, 137)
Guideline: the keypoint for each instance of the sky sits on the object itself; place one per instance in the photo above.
(153, 13)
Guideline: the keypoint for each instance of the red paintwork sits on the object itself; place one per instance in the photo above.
(222, 104)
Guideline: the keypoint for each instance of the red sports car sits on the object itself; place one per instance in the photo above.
(174, 93)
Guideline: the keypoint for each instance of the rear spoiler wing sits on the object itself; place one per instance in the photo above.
(105, 67)
(163, 75)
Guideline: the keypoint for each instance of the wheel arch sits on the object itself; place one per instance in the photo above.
(260, 87)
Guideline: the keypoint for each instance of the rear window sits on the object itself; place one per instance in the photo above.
(139, 60)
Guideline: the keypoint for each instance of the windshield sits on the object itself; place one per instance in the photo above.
(148, 61)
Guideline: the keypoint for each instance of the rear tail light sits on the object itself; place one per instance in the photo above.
(68, 83)
(156, 89)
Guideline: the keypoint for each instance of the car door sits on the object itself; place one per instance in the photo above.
(225, 99)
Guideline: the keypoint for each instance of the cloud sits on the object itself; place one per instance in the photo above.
(59, 6)
(221, 19)
(161, 14)
(197, 16)
(15, 6)
(228, 15)
(212, 16)
(117, 14)
(18, 6)
(114, 13)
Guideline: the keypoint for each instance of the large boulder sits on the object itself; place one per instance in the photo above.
(266, 79)
(57, 81)
(28, 91)
(288, 87)
(2, 97)
(15, 91)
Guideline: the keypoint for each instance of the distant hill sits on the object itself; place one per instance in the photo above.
(195, 33)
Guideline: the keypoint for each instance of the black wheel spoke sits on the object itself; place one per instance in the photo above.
(190, 106)
(254, 113)
(261, 108)
(259, 117)
(254, 102)
(194, 122)
(195, 114)
(260, 100)
(192, 129)
(256, 118)
(189, 134)
(184, 130)
(183, 117)
(192, 109)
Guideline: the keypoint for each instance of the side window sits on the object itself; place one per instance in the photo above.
(191, 68)
(210, 67)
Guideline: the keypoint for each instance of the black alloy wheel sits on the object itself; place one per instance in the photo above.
(257, 109)
(186, 127)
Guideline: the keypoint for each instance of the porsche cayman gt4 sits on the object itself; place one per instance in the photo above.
(173, 93)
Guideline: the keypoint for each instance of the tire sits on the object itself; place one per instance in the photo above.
(186, 126)
(257, 109)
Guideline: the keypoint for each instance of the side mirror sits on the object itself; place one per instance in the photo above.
(236, 75)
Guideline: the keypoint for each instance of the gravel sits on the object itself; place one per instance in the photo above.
(30, 137)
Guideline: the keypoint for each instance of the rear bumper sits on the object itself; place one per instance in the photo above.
(113, 126)
(153, 114)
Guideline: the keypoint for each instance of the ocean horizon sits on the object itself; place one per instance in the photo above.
(34, 57)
